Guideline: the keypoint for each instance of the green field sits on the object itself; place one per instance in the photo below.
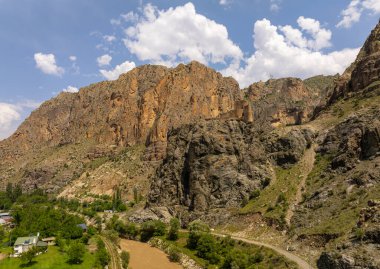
(52, 259)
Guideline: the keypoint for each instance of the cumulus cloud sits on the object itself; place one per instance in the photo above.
(71, 89)
(355, 9)
(177, 35)
(11, 115)
(104, 60)
(47, 64)
(285, 51)
(73, 58)
(118, 70)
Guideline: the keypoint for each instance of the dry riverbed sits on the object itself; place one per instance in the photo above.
(144, 256)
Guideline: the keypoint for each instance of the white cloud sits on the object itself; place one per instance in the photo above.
(284, 51)
(275, 5)
(224, 2)
(71, 89)
(11, 115)
(130, 17)
(355, 9)
(104, 60)
(179, 34)
(73, 58)
(118, 70)
(46, 63)
(109, 38)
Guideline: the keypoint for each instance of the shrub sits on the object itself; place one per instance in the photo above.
(124, 259)
(174, 255)
(206, 246)
(196, 228)
(173, 231)
(254, 194)
(131, 231)
(152, 228)
(75, 252)
(102, 257)
(28, 256)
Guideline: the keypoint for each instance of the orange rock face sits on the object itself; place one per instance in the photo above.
(139, 107)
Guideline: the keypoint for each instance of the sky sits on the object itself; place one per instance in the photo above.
(50, 46)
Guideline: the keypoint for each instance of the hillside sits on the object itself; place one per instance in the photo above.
(290, 162)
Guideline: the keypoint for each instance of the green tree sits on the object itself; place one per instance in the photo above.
(197, 229)
(174, 228)
(28, 256)
(206, 247)
(124, 259)
(152, 228)
(102, 257)
(131, 231)
(75, 252)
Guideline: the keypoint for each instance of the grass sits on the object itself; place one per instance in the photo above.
(52, 259)
(273, 201)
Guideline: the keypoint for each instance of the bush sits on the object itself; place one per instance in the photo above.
(174, 255)
(173, 231)
(28, 256)
(124, 259)
(197, 229)
(254, 194)
(75, 252)
(235, 259)
(152, 228)
(102, 257)
(205, 246)
(131, 231)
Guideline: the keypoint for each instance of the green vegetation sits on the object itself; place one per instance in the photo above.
(53, 258)
(173, 231)
(216, 252)
(124, 259)
(75, 252)
(273, 201)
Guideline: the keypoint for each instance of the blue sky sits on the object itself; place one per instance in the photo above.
(47, 46)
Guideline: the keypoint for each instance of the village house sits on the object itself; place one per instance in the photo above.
(23, 244)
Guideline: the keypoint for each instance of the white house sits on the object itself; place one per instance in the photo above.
(23, 244)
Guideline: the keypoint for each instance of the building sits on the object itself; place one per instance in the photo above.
(83, 226)
(23, 244)
(49, 240)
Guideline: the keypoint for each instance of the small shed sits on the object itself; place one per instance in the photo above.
(50, 241)
(83, 226)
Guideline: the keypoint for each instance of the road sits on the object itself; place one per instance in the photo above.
(115, 260)
(299, 261)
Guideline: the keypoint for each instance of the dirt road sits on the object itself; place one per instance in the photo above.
(144, 256)
(300, 262)
(111, 249)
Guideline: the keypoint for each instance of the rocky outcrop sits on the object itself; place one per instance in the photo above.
(138, 108)
(217, 164)
(211, 165)
(362, 77)
(288, 101)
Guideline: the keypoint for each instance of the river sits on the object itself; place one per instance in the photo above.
(143, 256)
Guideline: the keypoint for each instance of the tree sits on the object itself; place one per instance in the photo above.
(173, 231)
(152, 228)
(75, 252)
(124, 259)
(197, 229)
(28, 256)
(131, 231)
(102, 257)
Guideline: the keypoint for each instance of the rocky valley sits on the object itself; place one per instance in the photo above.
(290, 162)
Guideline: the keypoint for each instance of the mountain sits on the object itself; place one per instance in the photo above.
(288, 161)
